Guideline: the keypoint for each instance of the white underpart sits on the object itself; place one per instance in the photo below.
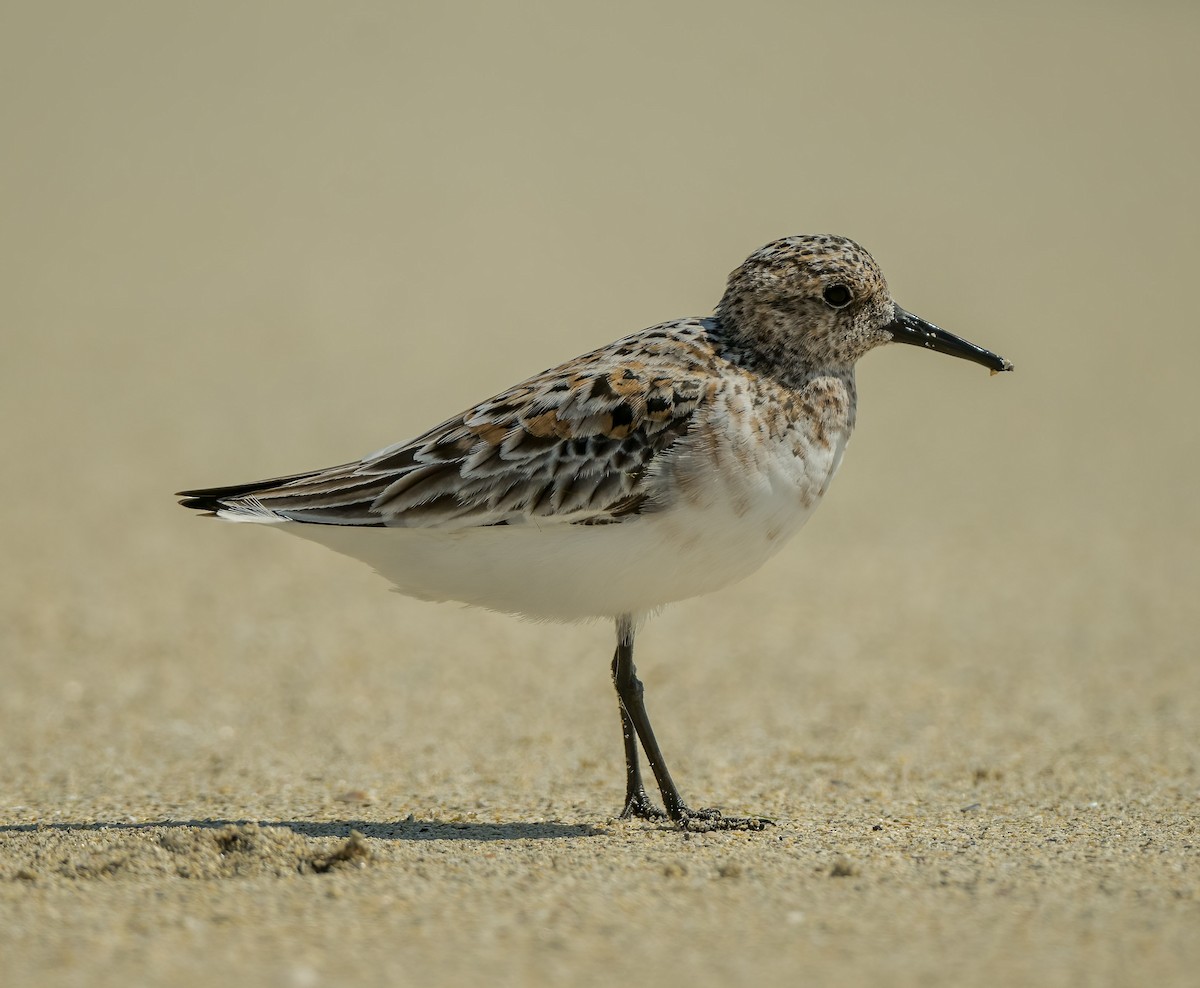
(718, 528)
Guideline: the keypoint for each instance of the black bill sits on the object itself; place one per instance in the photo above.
(907, 328)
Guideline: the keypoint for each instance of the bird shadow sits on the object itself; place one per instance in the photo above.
(402, 830)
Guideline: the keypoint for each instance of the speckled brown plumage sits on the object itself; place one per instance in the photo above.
(665, 465)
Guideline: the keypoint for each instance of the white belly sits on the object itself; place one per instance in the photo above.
(704, 540)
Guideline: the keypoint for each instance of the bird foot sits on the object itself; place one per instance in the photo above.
(708, 820)
(638, 806)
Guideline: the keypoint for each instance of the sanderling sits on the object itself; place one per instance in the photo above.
(668, 464)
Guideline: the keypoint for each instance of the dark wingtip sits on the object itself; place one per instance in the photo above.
(206, 499)
(214, 498)
(197, 502)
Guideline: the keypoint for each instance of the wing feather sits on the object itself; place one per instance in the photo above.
(575, 443)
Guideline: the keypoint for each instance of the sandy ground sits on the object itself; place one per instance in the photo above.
(258, 239)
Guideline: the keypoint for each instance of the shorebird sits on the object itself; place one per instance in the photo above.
(668, 464)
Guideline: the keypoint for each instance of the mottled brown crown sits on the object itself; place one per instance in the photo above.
(775, 303)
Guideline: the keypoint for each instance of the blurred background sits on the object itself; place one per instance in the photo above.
(247, 239)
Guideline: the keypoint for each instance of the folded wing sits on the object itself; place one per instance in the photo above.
(577, 444)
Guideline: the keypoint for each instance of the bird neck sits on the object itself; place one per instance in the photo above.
(765, 347)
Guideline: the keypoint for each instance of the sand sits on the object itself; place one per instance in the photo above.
(246, 241)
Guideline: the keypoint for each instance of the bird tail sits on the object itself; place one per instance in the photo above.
(236, 497)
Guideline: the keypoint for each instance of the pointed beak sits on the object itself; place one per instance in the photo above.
(907, 328)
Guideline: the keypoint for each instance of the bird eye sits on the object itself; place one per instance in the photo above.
(837, 296)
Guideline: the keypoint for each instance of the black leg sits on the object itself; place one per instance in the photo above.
(637, 803)
(634, 719)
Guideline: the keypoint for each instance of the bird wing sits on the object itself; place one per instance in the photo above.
(575, 443)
